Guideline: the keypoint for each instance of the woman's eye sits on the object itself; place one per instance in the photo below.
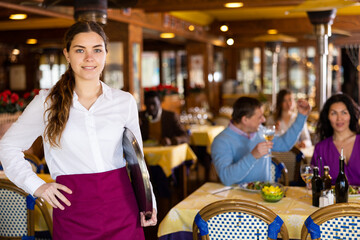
(79, 50)
(98, 50)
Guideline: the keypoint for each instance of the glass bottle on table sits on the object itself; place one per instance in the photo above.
(341, 184)
(326, 178)
(317, 186)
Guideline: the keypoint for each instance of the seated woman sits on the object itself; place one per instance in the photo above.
(285, 116)
(338, 128)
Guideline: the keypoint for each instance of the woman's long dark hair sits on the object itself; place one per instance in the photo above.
(279, 100)
(324, 128)
(60, 97)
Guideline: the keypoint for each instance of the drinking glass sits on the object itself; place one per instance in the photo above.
(306, 173)
(269, 134)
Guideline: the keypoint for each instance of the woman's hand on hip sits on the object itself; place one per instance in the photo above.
(150, 222)
(50, 193)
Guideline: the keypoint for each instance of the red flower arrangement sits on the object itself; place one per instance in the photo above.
(12, 103)
(163, 89)
(28, 96)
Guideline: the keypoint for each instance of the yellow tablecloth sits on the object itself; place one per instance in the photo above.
(40, 224)
(203, 135)
(168, 157)
(291, 208)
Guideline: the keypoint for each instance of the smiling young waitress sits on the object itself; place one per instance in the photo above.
(338, 128)
(81, 120)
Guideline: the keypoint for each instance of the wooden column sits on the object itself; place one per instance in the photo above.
(131, 36)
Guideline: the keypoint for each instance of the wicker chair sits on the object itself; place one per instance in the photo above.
(292, 160)
(36, 163)
(237, 219)
(17, 212)
(279, 172)
(337, 221)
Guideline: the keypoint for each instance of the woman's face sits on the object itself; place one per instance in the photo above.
(86, 56)
(339, 117)
(287, 103)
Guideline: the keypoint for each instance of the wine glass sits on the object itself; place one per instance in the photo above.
(306, 173)
(269, 134)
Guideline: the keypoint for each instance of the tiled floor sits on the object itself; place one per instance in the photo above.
(196, 177)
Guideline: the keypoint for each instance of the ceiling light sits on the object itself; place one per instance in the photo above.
(15, 52)
(191, 28)
(31, 41)
(230, 41)
(234, 4)
(224, 28)
(167, 35)
(18, 16)
(272, 31)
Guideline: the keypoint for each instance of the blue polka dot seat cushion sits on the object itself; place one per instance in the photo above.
(15, 215)
(337, 221)
(237, 219)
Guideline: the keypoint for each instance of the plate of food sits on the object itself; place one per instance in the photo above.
(256, 186)
(252, 186)
(354, 191)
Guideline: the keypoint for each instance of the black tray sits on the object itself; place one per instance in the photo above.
(138, 173)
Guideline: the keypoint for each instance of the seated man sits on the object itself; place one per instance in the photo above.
(159, 125)
(239, 152)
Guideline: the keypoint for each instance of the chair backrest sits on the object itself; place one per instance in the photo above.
(36, 163)
(279, 172)
(337, 221)
(17, 212)
(292, 160)
(237, 219)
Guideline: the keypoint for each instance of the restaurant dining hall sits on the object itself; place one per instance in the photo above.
(179, 119)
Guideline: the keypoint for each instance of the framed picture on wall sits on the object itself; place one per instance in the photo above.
(196, 71)
(136, 71)
(18, 77)
(114, 75)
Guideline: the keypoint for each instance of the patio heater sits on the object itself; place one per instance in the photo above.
(273, 42)
(91, 10)
(321, 14)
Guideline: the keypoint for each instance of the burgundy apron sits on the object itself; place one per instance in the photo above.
(103, 207)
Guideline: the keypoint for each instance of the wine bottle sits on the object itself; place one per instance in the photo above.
(341, 184)
(326, 178)
(317, 186)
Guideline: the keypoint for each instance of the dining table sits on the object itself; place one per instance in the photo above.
(203, 135)
(293, 209)
(39, 221)
(170, 157)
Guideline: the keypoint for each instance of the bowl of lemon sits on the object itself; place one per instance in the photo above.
(272, 192)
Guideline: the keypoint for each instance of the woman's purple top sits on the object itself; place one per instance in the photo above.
(327, 150)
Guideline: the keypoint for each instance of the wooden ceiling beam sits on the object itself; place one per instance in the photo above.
(189, 5)
(290, 26)
(35, 10)
(37, 23)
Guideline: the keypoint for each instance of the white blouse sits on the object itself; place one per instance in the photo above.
(91, 141)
